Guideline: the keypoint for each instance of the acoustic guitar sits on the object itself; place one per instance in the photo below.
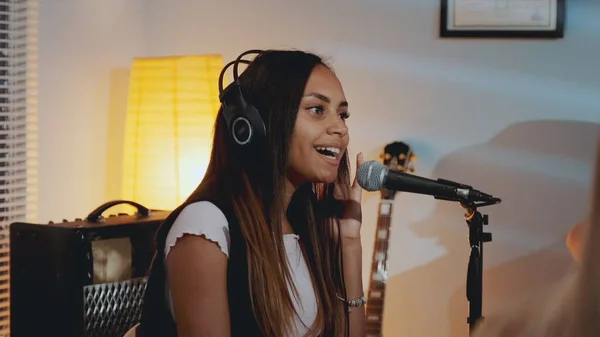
(396, 156)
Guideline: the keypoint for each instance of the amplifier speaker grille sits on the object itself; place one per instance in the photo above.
(110, 309)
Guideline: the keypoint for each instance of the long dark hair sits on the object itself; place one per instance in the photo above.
(274, 83)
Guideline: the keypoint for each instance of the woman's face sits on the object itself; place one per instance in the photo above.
(320, 135)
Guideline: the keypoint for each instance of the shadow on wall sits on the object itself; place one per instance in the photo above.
(541, 170)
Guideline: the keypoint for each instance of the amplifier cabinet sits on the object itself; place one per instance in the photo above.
(81, 278)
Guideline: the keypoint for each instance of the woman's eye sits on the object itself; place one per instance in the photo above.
(317, 109)
(345, 115)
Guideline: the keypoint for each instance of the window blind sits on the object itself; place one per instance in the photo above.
(18, 130)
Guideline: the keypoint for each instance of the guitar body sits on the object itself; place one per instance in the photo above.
(397, 156)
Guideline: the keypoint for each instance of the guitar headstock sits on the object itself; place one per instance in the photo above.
(397, 156)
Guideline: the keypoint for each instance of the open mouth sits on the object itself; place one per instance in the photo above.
(329, 152)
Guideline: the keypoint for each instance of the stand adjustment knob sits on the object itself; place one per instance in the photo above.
(486, 237)
(485, 219)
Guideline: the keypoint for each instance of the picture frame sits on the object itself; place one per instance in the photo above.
(503, 18)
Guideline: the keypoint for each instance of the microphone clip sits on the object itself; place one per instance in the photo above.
(465, 191)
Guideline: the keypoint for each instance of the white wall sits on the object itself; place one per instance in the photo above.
(83, 44)
(448, 98)
(511, 117)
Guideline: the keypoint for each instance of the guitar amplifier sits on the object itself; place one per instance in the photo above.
(82, 278)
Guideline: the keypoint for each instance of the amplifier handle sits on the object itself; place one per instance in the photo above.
(96, 215)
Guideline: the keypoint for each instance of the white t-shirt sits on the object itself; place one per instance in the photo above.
(206, 219)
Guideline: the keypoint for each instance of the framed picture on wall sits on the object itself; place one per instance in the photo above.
(503, 18)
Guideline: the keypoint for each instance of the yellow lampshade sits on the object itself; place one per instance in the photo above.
(171, 109)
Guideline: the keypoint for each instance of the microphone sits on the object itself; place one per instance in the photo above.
(373, 176)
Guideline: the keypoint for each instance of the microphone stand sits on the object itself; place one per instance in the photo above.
(477, 237)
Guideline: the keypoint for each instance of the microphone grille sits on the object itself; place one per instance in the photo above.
(370, 175)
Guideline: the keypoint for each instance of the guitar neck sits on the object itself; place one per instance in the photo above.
(379, 266)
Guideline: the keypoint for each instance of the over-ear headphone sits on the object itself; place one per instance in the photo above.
(244, 123)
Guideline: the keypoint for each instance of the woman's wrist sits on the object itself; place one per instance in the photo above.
(352, 245)
(352, 254)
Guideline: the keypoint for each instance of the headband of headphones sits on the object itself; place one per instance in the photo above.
(235, 63)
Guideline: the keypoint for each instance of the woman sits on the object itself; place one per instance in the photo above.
(570, 309)
(269, 242)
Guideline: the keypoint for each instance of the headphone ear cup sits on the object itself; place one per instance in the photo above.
(259, 129)
(241, 130)
(244, 126)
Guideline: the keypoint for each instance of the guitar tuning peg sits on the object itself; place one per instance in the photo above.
(381, 156)
(402, 156)
(411, 169)
(399, 168)
(388, 156)
(413, 157)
